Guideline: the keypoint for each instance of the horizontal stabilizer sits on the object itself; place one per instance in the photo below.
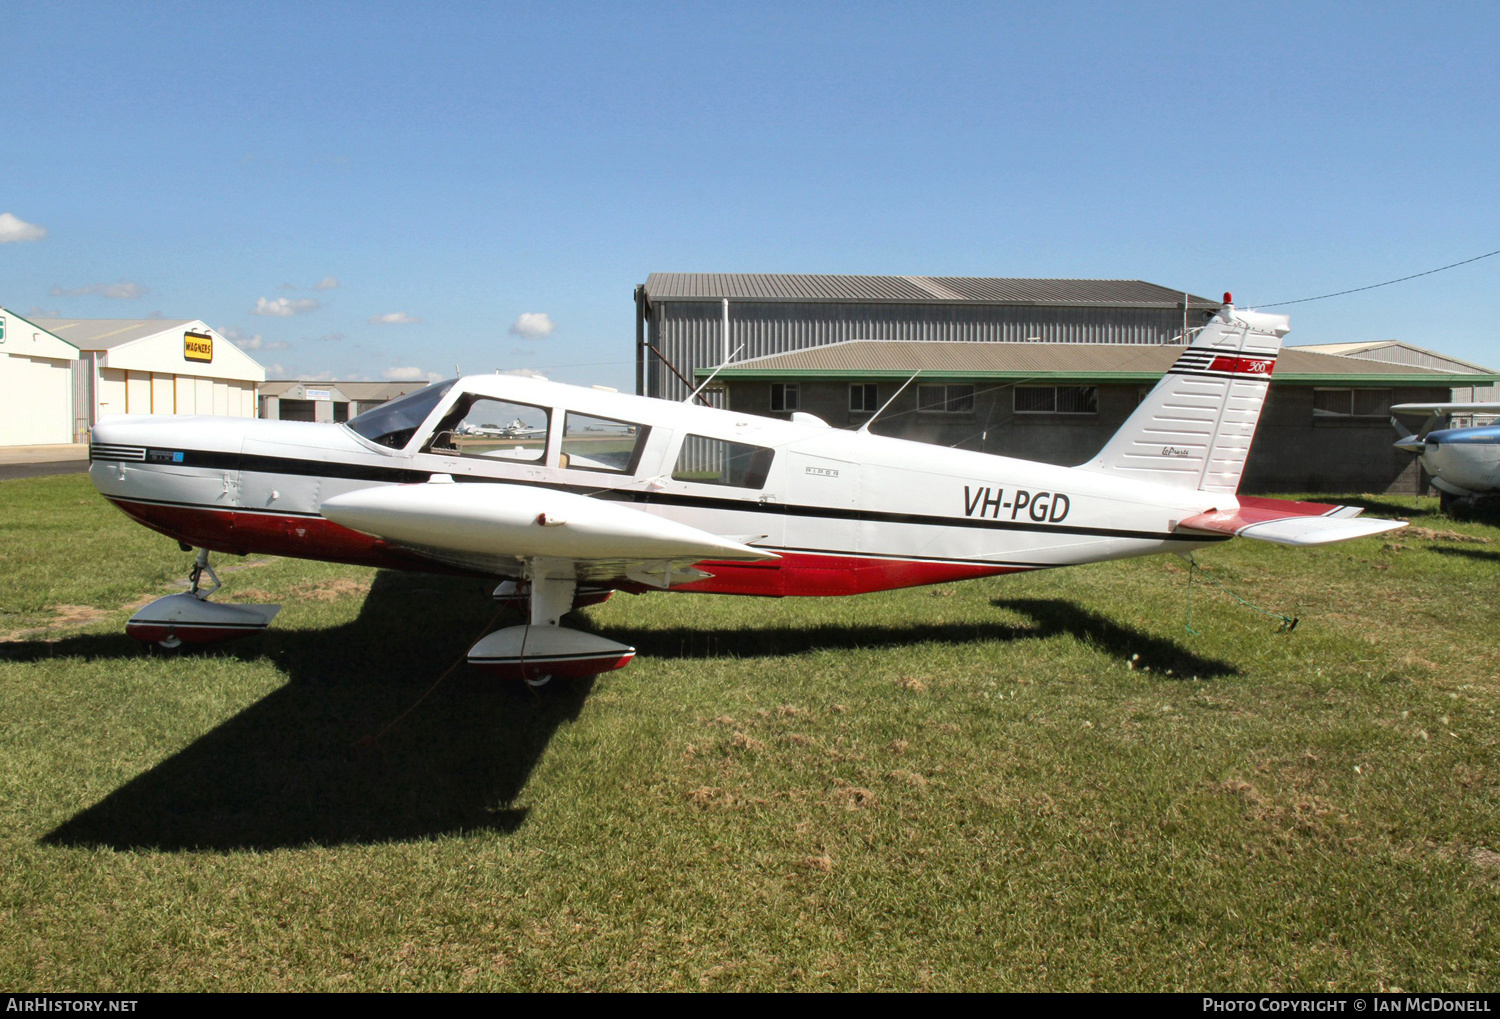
(1289, 523)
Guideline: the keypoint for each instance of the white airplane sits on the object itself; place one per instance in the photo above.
(628, 492)
(1464, 463)
(517, 429)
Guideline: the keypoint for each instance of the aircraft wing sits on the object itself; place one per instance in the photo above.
(496, 527)
(1446, 408)
(1289, 523)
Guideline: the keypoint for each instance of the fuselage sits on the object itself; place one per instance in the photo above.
(844, 512)
(1463, 461)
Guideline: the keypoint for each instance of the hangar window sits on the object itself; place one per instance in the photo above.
(393, 424)
(784, 397)
(1359, 403)
(864, 398)
(1056, 400)
(720, 462)
(494, 429)
(601, 444)
(945, 399)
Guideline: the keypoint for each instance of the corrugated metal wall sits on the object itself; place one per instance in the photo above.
(690, 334)
(83, 396)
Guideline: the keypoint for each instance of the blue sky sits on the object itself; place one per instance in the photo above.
(443, 170)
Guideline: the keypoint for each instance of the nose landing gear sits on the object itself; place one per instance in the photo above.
(190, 618)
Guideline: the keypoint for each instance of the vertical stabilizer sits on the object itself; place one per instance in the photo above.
(1194, 429)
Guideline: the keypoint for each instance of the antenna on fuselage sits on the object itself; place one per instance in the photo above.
(694, 394)
(866, 426)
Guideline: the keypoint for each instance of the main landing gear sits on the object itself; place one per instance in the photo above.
(190, 618)
(542, 649)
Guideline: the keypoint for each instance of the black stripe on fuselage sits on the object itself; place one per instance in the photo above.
(400, 475)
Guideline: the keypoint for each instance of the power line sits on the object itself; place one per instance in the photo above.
(1372, 286)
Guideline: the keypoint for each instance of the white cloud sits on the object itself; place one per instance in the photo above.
(533, 325)
(275, 371)
(123, 290)
(245, 342)
(37, 311)
(528, 373)
(408, 374)
(394, 318)
(326, 283)
(13, 228)
(284, 307)
(277, 345)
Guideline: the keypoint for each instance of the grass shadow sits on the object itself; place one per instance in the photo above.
(297, 767)
(1049, 617)
(1482, 555)
(1053, 616)
(1393, 506)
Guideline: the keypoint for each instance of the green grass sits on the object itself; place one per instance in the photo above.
(1033, 782)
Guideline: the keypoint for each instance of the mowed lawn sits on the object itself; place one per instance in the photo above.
(1033, 782)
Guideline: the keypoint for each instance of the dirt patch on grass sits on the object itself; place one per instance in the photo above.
(68, 617)
(749, 743)
(852, 797)
(333, 590)
(1431, 535)
(910, 778)
(712, 797)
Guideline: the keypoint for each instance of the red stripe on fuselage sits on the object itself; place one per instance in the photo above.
(240, 533)
(795, 574)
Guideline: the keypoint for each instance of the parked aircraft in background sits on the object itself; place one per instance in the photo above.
(610, 491)
(1464, 463)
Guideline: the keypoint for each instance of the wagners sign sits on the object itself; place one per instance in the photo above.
(197, 347)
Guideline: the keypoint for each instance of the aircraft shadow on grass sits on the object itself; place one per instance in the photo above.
(1482, 555)
(1049, 617)
(296, 768)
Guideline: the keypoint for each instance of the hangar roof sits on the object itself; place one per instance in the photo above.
(155, 345)
(745, 286)
(351, 390)
(38, 341)
(1397, 352)
(104, 333)
(1094, 362)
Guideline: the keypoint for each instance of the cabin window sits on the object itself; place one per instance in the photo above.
(945, 399)
(493, 429)
(864, 398)
(720, 462)
(1359, 403)
(1056, 400)
(601, 444)
(784, 397)
(394, 423)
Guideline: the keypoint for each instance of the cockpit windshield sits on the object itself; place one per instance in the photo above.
(393, 424)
